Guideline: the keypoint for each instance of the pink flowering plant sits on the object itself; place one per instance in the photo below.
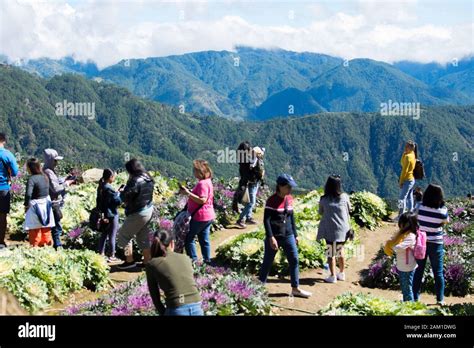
(458, 257)
(223, 292)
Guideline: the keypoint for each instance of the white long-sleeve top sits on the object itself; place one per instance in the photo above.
(406, 261)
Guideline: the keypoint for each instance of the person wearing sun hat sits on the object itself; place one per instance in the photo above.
(280, 231)
(57, 190)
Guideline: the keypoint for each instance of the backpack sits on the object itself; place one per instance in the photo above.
(259, 169)
(95, 219)
(419, 170)
(181, 224)
(420, 246)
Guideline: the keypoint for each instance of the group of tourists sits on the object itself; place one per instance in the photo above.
(172, 272)
(421, 220)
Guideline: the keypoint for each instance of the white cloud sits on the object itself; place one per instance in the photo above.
(106, 32)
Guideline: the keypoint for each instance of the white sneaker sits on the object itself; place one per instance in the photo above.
(301, 293)
(331, 279)
(341, 276)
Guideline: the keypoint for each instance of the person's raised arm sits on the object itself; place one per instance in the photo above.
(129, 192)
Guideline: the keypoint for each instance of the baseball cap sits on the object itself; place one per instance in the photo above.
(286, 179)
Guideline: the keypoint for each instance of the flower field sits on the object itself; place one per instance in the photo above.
(80, 199)
(246, 251)
(39, 276)
(223, 292)
(458, 267)
(368, 305)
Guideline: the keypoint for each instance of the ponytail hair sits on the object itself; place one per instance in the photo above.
(106, 175)
(161, 241)
(414, 146)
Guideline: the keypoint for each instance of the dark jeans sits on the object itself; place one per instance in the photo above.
(203, 230)
(288, 244)
(5, 198)
(406, 284)
(435, 252)
(57, 230)
(110, 233)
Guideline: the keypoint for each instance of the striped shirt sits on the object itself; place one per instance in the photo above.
(278, 221)
(431, 221)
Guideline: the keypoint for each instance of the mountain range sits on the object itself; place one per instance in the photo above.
(364, 148)
(258, 84)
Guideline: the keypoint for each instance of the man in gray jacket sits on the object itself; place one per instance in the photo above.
(57, 190)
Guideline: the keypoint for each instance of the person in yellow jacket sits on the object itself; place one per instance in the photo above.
(407, 179)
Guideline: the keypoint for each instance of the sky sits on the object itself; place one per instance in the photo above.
(107, 31)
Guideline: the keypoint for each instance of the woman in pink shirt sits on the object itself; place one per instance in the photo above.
(201, 208)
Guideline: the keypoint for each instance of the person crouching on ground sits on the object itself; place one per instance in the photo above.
(173, 274)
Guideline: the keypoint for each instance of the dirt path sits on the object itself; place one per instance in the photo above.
(324, 293)
(279, 288)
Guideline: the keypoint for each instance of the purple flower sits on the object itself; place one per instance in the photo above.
(452, 240)
(121, 310)
(221, 298)
(240, 289)
(458, 211)
(394, 269)
(166, 224)
(202, 282)
(207, 295)
(73, 234)
(228, 193)
(375, 269)
(454, 273)
(458, 227)
(141, 301)
(16, 188)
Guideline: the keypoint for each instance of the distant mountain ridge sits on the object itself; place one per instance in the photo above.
(260, 84)
(364, 148)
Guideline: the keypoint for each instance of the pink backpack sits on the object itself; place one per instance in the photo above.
(420, 246)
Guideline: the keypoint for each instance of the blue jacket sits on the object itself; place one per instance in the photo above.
(7, 159)
(108, 200)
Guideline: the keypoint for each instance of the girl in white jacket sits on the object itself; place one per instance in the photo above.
(403, 244)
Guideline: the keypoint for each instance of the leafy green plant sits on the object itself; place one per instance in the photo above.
(368, 305)
(38, 276)
(223, 292)
(368, 209)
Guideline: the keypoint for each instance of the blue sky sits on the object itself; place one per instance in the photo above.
(107, 31)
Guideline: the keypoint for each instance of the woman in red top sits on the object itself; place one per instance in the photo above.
(280, 230)
(201, 207)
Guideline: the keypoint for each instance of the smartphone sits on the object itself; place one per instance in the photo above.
(122, 187)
